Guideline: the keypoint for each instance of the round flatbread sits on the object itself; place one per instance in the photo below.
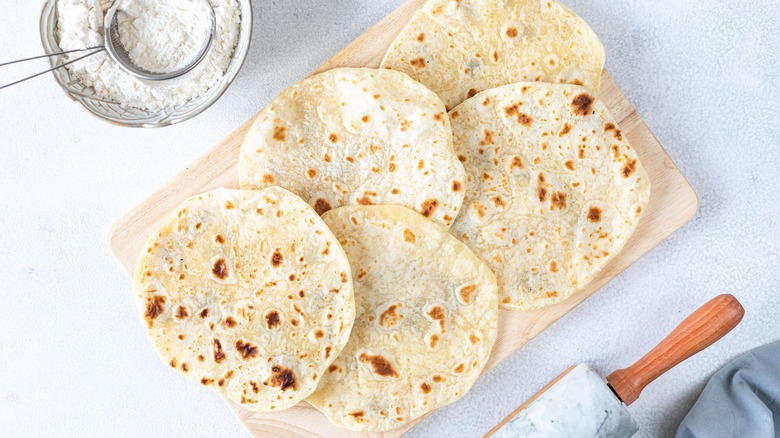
(357, 136)
(427, 316)
(458, 48)
(554, 188)
(248, 293)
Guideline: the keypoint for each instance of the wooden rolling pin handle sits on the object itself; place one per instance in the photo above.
(703, 328)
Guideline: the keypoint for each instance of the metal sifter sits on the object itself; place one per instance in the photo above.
(112, 45)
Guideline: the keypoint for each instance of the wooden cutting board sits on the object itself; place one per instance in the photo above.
(673, 203)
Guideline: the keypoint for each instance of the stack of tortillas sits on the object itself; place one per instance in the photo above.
(363, 264)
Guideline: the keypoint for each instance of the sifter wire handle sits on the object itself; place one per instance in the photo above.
(96, 49)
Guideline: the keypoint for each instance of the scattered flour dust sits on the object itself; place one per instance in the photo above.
(161, 36)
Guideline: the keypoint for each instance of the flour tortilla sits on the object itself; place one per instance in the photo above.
(427, 316)
(458, 48)
(357, 136)
(247, 293)
(555, 190)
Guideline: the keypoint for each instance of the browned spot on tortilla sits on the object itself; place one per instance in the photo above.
(522, 118)
(206, 381)
(569, 164)
(541, 191)
(311, 173)
(268, 179)
(438, 379)
(511, 32)
(282, 378)
(488, 138)
(220, 269)
(280, 133)
(272, 320)
(460, 368)
(472, 92)
(434, 340)
(327, 351)
(473, 338)
(594, 214)
(615, 151)
(204, 313)
(466, 292)
(437, 314)
(582, 104)
(255, 386)
(565, 130)
(333, 138)
(516, 162)
(344, 277)
(182, 312)
(154, 308)
(438, 117)
(421, 37)
(629, 168)
(638, 210)
(390, 317)
(409, 236)
(379, 365)
(294, 322)
(486, 102)
(230, 322)
(333, 368)
(499, 202)
(219, 354)
(229, 205)
(247, 349)
(405, 125)
(365, 200)
(322, 206)
(417, 63)
(185, 367)
(173, 363)
(426, 388)
(553, 266)
(319, 334)
(558, 201)
(615, 131)
(276, 259)
(429, 207)
(327, 158)
(462, 158)
(551, 294)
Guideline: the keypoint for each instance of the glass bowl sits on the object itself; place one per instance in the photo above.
(134, 117)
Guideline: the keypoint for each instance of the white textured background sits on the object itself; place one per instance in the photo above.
(74, 360)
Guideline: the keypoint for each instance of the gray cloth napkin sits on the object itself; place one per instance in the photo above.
(740, 400)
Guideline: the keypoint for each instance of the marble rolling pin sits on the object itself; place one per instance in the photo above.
(582, 404)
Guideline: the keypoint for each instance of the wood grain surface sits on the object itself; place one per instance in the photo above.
(673, 203)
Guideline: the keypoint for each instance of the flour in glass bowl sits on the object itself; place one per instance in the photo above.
(160, 35)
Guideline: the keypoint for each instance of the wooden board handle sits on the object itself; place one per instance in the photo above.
(703, 328)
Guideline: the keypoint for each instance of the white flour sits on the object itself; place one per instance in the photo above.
(160, 35)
